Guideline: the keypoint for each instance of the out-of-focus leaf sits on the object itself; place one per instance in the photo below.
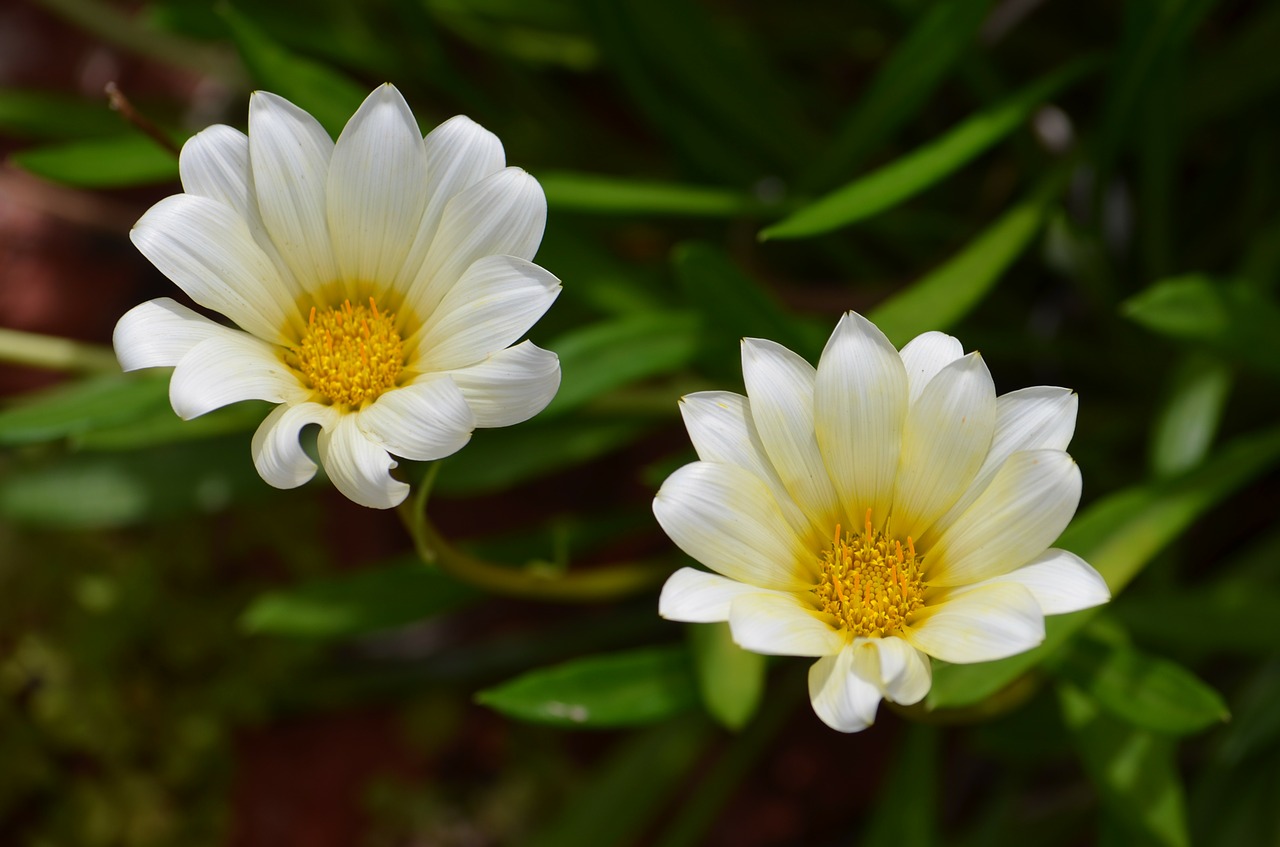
(97, 490)
(48, 116)
(1117, 535)
(357, 603)
(1236, 320)
(604, 356)
(611, 690)
(115, 162)
(163, 426)
(906, 808)
(80, 407)
(500, 458)
(948, 293)
(597, 194)
(1239, 73)
(736, 304)
(1135, 771)
(619, 798)
(327, 94)
(730, 679)
(601, 281)
(914, 172)
(1188, 420)
(901, 86)
(1145, 691)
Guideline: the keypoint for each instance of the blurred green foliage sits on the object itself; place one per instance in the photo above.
(1090, 194)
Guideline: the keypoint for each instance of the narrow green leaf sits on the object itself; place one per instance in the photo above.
(608, 355)
(329, 95)
(1117, 535)
(163, 426)
(948, 293)
(1142, 690)
(1135, 771)
(730, 679)
(358, 603)
(901, 86)
(906, 808)
(914, 172)
(49, 116)
(736, 304)
(118, 161)
(598, 194)
(616, 802)
(1188, 419)
(80, 407)
(610, 690)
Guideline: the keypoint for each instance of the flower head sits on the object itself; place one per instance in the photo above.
(881, 509)
(377, 283)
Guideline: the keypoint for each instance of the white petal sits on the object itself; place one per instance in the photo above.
(925, 355)
(695, 596)
(946, 438)
(277, 452)
(460, 153)
(358, 468)
(427, 420)
(905, 672)
(1060, 581)
(496, 302)
(722, 430)
(290, 153)
(843, 688)
(1028, 419)
(728, 520)
(502, 215)
(227, 368)
(207, 250)
(377, 189)
(979, 625)
(509, 386)
(158, 333)
(780, 625)
(215, 164)
(780, 388)
(1025, 508)
(860, 406)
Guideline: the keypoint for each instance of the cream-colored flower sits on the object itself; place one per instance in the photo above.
(881, 509)
(377, 283)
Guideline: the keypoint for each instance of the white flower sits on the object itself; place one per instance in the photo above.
(378, 284)
(881, 509)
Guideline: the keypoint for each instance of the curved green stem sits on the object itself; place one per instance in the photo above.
(530, 582)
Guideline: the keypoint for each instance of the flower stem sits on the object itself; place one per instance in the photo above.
(53, 353)
(530, 582)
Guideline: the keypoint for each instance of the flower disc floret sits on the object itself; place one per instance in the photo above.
(871, 583)
(350, 354)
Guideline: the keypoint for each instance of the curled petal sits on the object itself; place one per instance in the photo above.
(844, 688)
(228, 368)
(427, 420)
(358, 468)
(277, 451)
(158, 333)
(905, 672)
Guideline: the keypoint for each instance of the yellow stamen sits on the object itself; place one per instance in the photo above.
(349, 354)
(870, 584)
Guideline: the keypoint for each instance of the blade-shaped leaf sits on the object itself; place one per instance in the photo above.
(610, 690)
(117, 161)
(730, 679)
(606, 195)
(94, 403)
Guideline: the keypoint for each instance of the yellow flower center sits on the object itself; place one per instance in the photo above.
(871, 583)
(350, 354)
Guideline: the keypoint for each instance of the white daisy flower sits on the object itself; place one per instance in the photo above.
(377, 284)
(881, 509)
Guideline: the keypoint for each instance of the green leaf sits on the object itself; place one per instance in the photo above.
(83, 406)
(116, 162)
(1189, 417)
(163, 426)
(330, 96)
(621, 796)
(901, 86)
(597, 194)
(1135, 771)
(1236, 320)
(358, 603)
(738, 305)
(610, 690)
(905, 810)
(47, 116)
(1142, 690)
(611, 354)
(730, 679)
(1117, 535)
(950, 292)
(914, 172)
